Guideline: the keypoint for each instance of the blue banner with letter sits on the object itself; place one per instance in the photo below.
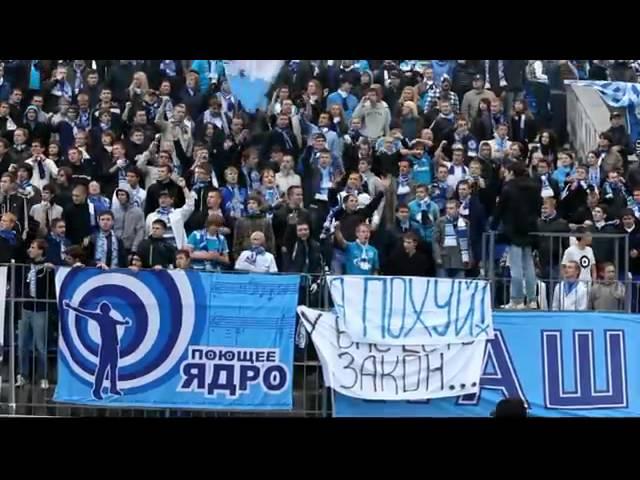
(561, 364)
(176, 339)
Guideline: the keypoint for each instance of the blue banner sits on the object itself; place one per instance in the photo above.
(561, 364)
(176, 339)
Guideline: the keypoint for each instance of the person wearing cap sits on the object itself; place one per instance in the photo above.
(471, 99)
(344, 97)
(174, 218)
(375, 115)
(619, 137)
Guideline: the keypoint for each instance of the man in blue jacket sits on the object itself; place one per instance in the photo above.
(344, 97)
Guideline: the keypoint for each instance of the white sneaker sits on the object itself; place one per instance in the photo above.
(44, 384)
(20, 381)
(532, 305)
(514, 306)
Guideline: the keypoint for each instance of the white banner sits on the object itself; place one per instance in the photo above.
(3, 302)
(391, 372)
(412, 310)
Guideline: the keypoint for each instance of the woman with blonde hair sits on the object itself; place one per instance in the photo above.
(139, 86)
(338, 122)
(409, 94)
(410, 122)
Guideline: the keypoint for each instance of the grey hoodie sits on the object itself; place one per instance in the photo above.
(376, 119)
(128, 222)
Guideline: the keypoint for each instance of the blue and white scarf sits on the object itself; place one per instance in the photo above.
(32, 278)
(168, 67)
(62, 89)
(101, 249)
(255, 252)
(594, 176)
(546, 191)
(456, 233)
(403, 185)
(325, 182)
(220, 120)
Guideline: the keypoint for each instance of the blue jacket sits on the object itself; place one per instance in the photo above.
(352, 103)
(426, 224)
(5, 91)
(202, 67)
(54, 249)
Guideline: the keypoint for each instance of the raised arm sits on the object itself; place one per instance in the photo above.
(81, 311)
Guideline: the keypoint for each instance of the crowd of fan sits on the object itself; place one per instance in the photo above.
(356, 167)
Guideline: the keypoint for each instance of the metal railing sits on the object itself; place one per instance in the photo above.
(548, 271)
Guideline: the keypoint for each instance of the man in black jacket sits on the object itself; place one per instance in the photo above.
(164, 182)
(517, 211)
(305, 255)
(80, 216)
(283, 136)
(550, 248)
(6, 157)
(156, 252)
(407, 260)
(105, 250)
(38, 289)
(285, 221)
(11, 201)
(621, 140)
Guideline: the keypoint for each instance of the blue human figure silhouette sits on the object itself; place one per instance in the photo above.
(109, 352)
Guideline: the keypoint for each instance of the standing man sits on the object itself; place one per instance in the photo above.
(472, 98)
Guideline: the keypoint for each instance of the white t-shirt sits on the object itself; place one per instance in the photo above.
(261, 264)
(585, 259)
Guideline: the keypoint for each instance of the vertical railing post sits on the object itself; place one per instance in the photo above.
(12, 337)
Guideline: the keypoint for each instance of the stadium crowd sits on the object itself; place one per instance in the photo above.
(394, 167)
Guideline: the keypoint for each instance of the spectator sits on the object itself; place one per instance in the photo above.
(164, 183)
(233, 195)
(571, 294)
(550, 247)
(57, 243)
(183, 260)
(407, 260)
(286, 177)
(517, 210)
(173, 218)
(376, 115)
(609, 158)
(582, 254)
(471, 100)
(44, 169)
(500, 145)
(100, 202)
(104, 249)
(457, 170)
(8, 237)
(208, 247)
(614, 193)
(38, 288)
(451, 249)
(344, 97)
(607, 294)
(6, 157)
(360, 257)
(128, 221)
(256, 259)
(305, 255)
(482, 124)
(285, 221)
(156, 251)
(12, 202)
(620, 140)
(549, 186)
(47, 210)
(25, 186)
(604, 248)
(255, 221)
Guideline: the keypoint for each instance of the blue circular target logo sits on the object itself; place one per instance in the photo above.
(118, 332)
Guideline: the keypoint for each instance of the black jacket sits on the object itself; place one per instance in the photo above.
(604, 248)
(518, 209)
(156, 251)
(19, 206)
(153, 192)
(45, 287)
(574, 201)
(550, 248)
(350, 220)
(401, 264)
(277, 138)
(284, 225)
(305, 257)
(91, 252)
(78, 221)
